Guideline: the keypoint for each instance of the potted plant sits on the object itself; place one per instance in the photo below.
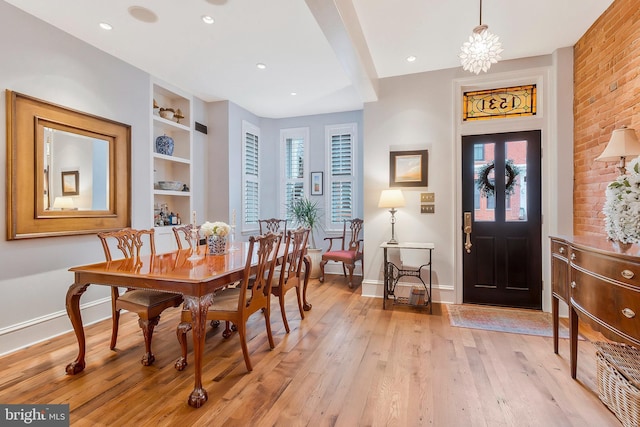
(306, 213)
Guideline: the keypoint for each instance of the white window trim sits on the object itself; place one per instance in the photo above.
(293, 133)
(329, 131)
(248, 127)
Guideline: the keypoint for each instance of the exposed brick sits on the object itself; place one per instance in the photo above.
(609, 52)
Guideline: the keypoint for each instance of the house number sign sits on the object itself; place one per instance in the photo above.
(515, 101)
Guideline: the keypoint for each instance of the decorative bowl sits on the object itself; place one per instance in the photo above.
(164, 145)
(170, 185)
(166, 114)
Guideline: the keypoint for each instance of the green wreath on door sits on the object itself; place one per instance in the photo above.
(486, 187)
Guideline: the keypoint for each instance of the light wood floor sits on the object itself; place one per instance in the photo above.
(348, 363)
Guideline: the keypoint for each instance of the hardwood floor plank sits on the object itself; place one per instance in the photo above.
(348, 363)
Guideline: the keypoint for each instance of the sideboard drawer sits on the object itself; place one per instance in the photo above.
(559, 248)
(560, 269)
(605, 266)
(615, 305)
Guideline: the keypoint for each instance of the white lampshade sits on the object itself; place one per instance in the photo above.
(623, 143)
(63, 203)
(391, 199)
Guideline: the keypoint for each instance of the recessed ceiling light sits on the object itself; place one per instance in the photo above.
(294, 93)
(207, 19)
(411, 58)
(106, 26)
(261, 66)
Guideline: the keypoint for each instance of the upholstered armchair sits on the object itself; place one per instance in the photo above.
(348, 251)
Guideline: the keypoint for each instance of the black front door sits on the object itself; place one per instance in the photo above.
(502, 260)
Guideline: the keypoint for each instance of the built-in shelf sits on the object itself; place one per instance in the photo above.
(175, 167)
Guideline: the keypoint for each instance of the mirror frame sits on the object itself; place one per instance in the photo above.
(26, 217)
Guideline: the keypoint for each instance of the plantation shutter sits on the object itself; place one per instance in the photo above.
(251, 190)
(342, 179)
(294, 170)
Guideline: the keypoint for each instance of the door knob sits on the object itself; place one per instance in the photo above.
(467, 231)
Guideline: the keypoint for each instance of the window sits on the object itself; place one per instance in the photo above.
(294, 149)
(250, 176)
(341, 195)
(478, 152)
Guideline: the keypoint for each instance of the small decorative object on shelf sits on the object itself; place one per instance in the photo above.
(622, 206)
(216, 233)
(167, 113)
(156, 107)
(178, 115)
(164, 145)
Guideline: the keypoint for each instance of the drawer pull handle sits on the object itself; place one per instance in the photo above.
(561, 250)
(627, 274)
(573, 284)
(629, 313)
(573, 256)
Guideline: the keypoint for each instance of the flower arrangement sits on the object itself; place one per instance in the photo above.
(217, 228)
(622, 206)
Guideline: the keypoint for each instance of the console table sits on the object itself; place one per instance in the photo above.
(393, 273)
(600, 281)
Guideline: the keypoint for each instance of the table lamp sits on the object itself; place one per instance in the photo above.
(391, 199)
(63, 203)
(623, 143)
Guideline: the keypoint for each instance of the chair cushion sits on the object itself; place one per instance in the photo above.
(226, 299)
(149, 298)
(344, 256)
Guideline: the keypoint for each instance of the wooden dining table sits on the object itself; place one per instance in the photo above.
(195, 277)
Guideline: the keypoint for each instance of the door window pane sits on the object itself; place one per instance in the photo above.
(516, 180)
(484, 181)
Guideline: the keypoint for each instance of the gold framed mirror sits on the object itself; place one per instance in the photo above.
(68, 172)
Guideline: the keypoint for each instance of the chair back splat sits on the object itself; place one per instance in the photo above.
(147, 304)
(237, 304)
(350, 250)
(273, 225)
(183, 234)
(290, 274)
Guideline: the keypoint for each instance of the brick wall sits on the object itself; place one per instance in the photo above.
(606, 96)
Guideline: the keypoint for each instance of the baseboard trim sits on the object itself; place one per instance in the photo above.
(444, 294)
(24, 334)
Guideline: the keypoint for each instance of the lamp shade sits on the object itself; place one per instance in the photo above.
(63, 203)
(623, 143)
(391, 199)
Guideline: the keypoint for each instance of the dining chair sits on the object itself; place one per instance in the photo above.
(183, 235)
(147, 304)
(237, 304)
(273, 225)
(289, 275)
(350, 250)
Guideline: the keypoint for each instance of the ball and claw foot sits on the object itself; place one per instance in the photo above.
(180, 364)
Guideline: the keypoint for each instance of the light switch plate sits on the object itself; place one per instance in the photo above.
(428, 209)
(427, 197)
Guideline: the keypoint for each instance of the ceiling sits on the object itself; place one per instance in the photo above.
(329, 52)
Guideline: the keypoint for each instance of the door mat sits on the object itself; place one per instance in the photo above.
(511, 320)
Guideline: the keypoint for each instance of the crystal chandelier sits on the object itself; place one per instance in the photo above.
(482, 49)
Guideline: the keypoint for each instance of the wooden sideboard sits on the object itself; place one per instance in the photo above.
(600, 281)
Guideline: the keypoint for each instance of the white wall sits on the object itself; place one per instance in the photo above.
(43, 62)
(424, 111)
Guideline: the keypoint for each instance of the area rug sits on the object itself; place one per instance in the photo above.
(515, 321)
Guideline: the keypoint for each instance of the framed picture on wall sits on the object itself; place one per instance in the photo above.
(316, 184)
(70, 183)
(408, 168)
